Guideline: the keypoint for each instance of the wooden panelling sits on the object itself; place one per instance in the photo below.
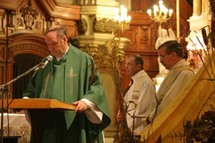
(61, 10)
(8, 4)
(2, 73)
(143, 31)
(24, 34)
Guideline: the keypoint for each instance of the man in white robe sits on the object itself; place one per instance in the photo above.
(140, 98)
(179, 76)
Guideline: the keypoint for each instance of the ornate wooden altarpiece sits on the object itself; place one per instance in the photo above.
(23, 23)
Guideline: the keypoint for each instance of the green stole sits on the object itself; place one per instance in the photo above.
(59, 81)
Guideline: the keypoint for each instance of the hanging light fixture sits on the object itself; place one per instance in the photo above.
(122, 19)
(160, 13)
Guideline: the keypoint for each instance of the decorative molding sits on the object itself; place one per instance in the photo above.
(28, 18)
(61, 10)
(97, 2)
(28, 14)
(11, 5)
(138, 18)
(27, 43)
(104, 25)
(27, 48)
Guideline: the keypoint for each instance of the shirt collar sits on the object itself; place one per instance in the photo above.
(182, 62)
(140, 73)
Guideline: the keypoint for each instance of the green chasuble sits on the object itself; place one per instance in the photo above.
(70, 79)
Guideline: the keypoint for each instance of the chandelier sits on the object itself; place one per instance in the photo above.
(122, 20)
(160, 13)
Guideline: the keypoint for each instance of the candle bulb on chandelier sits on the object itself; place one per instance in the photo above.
(124, 12)
(160, 13)
(149, 11)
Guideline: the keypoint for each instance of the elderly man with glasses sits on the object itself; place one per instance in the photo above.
(71, 78)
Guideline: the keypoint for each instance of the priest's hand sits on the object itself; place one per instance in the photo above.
(81, 106)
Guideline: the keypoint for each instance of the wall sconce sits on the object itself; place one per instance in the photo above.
(160, 13)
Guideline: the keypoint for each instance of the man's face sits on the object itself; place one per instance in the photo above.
(57, 45)
(166, 59)
(131, 67)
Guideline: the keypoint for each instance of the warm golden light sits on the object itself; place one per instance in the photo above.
(122, 19)
(118, 22)
(160, 13)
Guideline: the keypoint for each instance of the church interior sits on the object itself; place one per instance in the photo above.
(109, 30)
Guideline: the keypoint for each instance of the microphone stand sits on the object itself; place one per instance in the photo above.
(4, 91)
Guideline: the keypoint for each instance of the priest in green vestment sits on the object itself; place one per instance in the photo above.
(70, 77)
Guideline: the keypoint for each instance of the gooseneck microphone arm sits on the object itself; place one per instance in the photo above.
(4, 87)
(42, 64)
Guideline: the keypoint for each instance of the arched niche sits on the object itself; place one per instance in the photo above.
(25, 50)
(23, 43)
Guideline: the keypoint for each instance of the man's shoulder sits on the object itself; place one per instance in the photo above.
(188, 71)
(143, 76)
(80, 52)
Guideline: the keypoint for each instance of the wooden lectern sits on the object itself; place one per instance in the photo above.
(39, 111)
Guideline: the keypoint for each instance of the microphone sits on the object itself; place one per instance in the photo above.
(45, 61)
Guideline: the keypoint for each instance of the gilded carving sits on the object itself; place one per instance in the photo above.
(108, 56)
(104, 25)
(28, 15)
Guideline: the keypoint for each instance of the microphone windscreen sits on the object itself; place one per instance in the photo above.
(49, 58)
